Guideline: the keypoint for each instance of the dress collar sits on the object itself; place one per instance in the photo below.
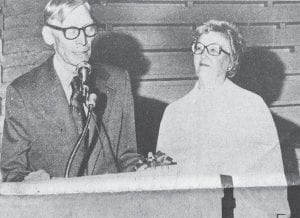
(197, 93)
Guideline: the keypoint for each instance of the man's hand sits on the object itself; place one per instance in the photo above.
(37, 176)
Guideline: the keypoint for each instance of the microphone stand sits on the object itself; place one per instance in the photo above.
(83, 69)
(91, 104)
(79, 141)
(109, 142)
(228, 201)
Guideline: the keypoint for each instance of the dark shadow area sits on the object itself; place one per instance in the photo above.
(124, 51)
(1, 106)
(148, 115)
(262, 72)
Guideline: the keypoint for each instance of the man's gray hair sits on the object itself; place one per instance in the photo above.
(59, 9)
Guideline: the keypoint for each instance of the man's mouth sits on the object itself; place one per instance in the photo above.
(81, 52)
(204, 64)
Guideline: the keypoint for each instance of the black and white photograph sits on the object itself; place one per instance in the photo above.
(150, 108)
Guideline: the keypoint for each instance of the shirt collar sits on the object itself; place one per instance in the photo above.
(65, 75)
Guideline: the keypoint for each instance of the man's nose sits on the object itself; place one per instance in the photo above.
(204, 53)
(82, 39)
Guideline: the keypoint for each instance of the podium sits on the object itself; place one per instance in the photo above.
(164, 192)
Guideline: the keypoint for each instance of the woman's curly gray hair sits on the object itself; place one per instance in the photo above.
(231, 32)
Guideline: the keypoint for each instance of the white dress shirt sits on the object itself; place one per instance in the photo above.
(65, 76)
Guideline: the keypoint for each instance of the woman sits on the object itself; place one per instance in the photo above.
(218, 127)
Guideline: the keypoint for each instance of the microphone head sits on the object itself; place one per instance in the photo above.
(83, 69)
(92, 100)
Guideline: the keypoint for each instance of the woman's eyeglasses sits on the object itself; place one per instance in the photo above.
(212, 49)
(73, 32)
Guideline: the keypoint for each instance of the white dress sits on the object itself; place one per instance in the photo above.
(227, 131)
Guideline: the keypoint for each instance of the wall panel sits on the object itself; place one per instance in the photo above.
(289, 94)
(24, 45)
(169, 91)
(290, 59)
(22, 33)
(2, 100)
(161, 37)
(170, 65)
(24, 20)
(290, 113)
(172, 14)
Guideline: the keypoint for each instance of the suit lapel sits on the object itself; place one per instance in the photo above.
(53, 101)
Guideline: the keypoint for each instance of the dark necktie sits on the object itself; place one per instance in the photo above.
(76, 103)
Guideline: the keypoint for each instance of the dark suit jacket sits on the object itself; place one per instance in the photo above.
(40, 132)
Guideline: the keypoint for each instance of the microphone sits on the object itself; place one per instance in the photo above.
(84, 69)
(91, 102)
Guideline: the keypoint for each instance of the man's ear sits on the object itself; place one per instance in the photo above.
(232, 61)
(47, 35)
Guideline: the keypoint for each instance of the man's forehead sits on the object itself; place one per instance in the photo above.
(78, 17)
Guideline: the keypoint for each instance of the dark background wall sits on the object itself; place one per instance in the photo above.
(151, 39)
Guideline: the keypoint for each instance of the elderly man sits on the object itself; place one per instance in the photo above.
(41, 123)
